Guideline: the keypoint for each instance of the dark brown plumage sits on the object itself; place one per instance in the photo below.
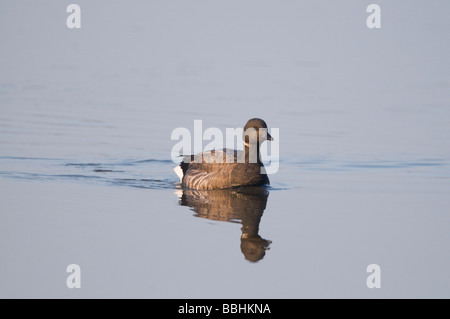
(227, 168)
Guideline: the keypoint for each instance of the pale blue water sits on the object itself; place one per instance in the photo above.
(86, 177)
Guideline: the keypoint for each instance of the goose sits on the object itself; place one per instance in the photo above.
(227, 168)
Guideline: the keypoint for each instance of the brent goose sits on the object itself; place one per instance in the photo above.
(226, 168)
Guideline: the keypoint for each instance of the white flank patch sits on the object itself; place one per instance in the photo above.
(179, 172)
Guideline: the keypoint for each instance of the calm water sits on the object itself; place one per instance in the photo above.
(86, 176)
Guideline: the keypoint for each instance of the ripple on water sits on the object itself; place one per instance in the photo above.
(147, 173)
(351, 165)
(158, 174)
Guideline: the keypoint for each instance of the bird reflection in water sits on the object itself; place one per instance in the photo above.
(245, 205)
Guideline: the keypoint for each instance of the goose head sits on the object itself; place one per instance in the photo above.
(255, 132)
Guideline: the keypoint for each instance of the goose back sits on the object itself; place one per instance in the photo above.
(221, 169)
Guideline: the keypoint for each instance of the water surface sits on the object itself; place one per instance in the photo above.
(86, 177)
